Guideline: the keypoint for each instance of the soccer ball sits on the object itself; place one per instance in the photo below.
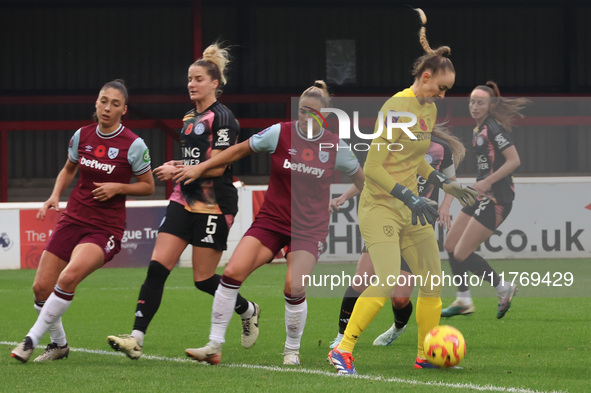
(444, 346)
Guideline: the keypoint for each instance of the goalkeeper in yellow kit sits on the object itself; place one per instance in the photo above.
(392, 218)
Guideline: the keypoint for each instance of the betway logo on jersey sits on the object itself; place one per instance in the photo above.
(97, 165)
(301, 167)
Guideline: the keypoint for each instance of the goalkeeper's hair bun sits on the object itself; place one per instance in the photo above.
(434, 60)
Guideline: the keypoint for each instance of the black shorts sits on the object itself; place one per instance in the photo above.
(197, 229)
(403, 265)
(489, 213)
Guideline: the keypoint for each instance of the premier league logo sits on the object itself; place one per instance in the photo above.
(5, 242)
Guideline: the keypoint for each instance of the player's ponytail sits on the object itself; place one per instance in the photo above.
(434, 60)
(215, 60)
(458, 150)
(318, 90)
(503, 110)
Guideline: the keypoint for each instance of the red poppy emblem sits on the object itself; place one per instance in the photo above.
(307, 155)
(423, 125)
(100, 151)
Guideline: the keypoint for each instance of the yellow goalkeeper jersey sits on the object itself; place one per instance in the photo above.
(384, 168)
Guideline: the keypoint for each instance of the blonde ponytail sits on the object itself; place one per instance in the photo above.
(434, 60)
(458, 150)
(215, 60)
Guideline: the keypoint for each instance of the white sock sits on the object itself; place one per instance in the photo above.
(295, 321)
(465, 297)
(56, 330)
(249, 312)
(139, 337)
(51, 312)
(224, 302)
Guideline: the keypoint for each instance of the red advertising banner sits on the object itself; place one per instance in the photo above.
(34, 234)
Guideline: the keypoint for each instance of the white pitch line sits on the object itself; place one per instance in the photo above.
(487, 388)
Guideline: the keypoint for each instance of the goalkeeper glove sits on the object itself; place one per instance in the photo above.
(422, 208)
(465, 194)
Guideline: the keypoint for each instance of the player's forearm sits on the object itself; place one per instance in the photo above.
(358, 181)
(63, 180)
(140, 188)
(511, 163)
(351, 192)
(424, 169)
(447, 200)
(219, 161)
(375, 171)
(504, 170)
(215, 172)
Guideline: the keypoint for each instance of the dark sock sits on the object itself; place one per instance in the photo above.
(459, 269)
(150, 295)
(481, 268)
(211, 285)
(402, 316)
(347, 306)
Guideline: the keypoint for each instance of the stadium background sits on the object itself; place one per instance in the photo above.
(56, 54)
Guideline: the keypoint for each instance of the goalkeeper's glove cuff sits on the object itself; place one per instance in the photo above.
(401, 192)
(438, 179)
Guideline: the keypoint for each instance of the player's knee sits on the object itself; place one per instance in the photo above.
(236, 271)
(294, 288)
(400, 302)
(68, 281)
(430, 291)
(209, 285)
(42, 290)
(294, 292)
(461, 256)
(358, 288)
(449, 245)
(157, 272)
